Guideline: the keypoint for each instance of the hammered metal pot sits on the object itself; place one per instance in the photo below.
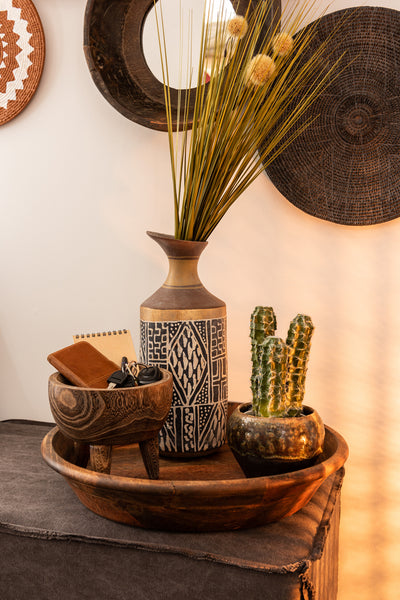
(273, 445)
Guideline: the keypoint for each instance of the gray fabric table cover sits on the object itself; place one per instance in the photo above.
(52, 547)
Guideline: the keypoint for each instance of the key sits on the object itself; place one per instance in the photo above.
(117, 379)
(149, 375)
(129, 382)
(130, 379)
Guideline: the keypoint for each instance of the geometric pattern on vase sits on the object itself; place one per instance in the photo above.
(195, 353)
(187, 359)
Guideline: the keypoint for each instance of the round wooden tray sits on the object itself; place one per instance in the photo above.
(197, 495)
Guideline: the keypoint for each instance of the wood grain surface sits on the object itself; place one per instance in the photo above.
(110, 417)
(203, 494)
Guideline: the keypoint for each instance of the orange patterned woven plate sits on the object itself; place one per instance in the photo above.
(22, 51)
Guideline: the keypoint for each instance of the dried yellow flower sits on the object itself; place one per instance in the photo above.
(260, 69)
(237, 27)
(282, 43)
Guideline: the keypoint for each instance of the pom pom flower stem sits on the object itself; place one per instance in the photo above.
(231, 120)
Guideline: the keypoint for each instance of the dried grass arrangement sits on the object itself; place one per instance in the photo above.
(252, 78)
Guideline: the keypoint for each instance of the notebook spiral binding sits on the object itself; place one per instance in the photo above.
(84, 336)
(113, 344)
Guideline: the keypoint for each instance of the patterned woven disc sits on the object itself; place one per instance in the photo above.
(345, 167)
(22, 50)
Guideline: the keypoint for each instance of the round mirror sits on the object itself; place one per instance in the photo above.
(115, 34)
(182, 31)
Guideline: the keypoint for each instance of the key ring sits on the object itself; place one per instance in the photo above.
(142, 373)
(133, 367)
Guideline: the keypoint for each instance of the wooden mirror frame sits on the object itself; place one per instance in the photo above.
(117, 64)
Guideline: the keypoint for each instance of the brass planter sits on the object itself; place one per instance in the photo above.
(274, 445)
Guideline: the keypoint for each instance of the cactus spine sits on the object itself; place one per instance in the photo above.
(298, 341)
(262, 325)
(279, 368)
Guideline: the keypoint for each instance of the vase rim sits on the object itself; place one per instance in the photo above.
(168, 237)
(178, 249)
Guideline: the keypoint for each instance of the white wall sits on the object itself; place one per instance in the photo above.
(80, 184)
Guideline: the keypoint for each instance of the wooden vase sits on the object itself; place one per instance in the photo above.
(183, 329)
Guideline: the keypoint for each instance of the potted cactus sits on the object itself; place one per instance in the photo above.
(276, 433)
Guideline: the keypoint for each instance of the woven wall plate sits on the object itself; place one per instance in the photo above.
(345, 167)
(22, 51)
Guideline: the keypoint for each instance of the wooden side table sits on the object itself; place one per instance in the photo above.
(52, 546)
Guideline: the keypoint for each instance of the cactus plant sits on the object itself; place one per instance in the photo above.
(279, 368)
(262, 325)
(271, 378)
(276, 433)
(298, 341)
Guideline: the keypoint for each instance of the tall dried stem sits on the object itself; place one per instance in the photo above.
(239, 124)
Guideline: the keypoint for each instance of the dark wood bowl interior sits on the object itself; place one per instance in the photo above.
(203, 494)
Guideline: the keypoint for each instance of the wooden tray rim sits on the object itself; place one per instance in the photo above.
(131, 484)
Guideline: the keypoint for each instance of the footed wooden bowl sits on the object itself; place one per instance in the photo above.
(110, 417)
(104, 418)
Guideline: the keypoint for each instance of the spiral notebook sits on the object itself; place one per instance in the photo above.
(113, 344)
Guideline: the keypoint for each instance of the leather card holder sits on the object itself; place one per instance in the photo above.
(83, 365)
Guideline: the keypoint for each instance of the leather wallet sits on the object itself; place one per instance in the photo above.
(83, 365)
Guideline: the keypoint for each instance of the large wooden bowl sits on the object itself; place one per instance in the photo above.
(204, 494)
(110, 417)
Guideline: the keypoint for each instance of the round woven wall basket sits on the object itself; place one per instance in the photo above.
(345, 167)
(22, 51)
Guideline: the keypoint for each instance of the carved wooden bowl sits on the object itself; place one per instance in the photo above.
(205, 494)
(104, 418)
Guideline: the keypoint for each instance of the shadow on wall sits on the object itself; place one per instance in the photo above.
(367, 359)
(347, 279)
(354, 277)
(9, 371)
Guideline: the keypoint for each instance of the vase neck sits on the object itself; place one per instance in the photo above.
(182, 273)
(183, 257)
(182, 296)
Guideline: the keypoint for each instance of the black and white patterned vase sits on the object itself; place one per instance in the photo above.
(183, 329)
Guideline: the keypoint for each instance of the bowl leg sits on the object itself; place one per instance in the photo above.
(150, 454)
(100, 458)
